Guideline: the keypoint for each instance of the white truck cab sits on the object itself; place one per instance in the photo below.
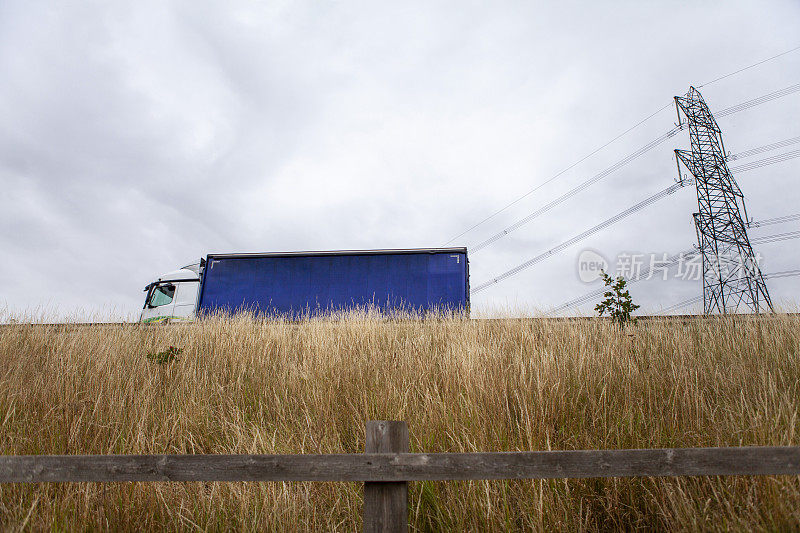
(173, 296)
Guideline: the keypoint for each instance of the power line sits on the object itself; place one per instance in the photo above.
(780, 158)
(591, 231)
(632, 156)
(558, 174)
(597, 177)
(698, 299)
(750, 66)
(758, 101)
(644, 273)
(572, 192)
(767, 239)
(681, 305)
(600, 226)
(784, 274)
(734, 109)
(776, 220)
(766, 148)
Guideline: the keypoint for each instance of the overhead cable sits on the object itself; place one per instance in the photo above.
(780, 158)
(591, 231)
(748, 67)
(758, 101)
(558, 174)
(731, 110)
(644, 272)
(765, 148)
(776, 220)
(778, 237)
(686, 254)
(681, 305)
(572, 192)
(621, 163)
(697, 299)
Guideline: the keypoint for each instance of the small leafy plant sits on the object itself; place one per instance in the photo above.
(617, 301)
(167, 356)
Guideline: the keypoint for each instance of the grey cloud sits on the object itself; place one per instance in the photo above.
(134, 139)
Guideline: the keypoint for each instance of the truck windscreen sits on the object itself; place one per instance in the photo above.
(161, 295)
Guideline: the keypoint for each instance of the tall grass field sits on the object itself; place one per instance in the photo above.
(240, 385)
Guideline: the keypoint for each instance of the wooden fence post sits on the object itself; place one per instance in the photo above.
(386, 503)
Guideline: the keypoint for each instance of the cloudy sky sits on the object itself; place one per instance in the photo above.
(137, 137)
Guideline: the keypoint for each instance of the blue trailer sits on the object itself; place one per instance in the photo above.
(294, 284)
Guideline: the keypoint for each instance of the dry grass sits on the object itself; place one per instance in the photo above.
(241, 386)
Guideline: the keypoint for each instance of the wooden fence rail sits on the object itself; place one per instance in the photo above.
(387, 467)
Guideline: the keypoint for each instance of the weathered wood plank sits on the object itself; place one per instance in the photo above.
(403, 466)
(604, 463)
(386, 503)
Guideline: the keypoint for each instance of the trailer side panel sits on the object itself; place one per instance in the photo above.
(322, 282)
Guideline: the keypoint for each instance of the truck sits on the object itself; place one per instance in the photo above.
(294, 285)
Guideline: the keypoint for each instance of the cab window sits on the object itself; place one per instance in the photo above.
(162, 295)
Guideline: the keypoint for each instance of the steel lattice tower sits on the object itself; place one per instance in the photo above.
(732, 280)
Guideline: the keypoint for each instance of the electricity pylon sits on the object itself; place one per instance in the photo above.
(732, 280)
